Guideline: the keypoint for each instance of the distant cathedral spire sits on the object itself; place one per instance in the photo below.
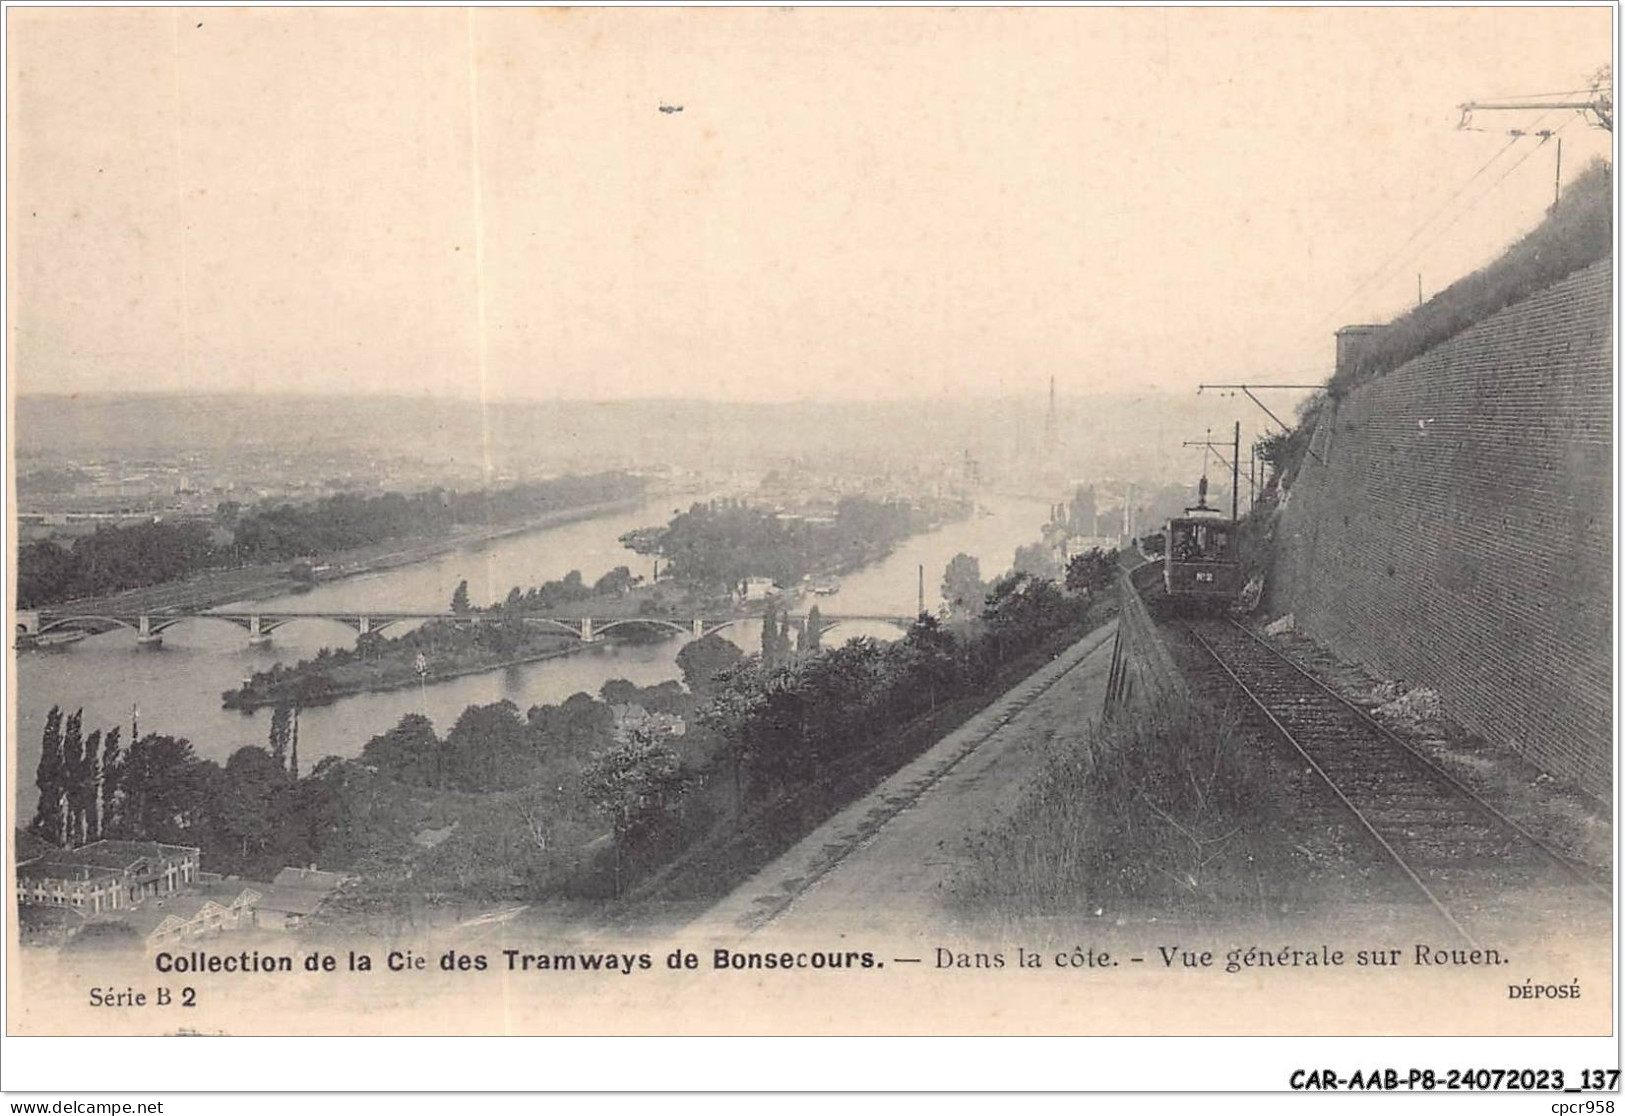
(1052, 439)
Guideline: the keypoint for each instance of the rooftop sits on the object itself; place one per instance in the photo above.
(122, 854)
(289, 900)
(308, 879)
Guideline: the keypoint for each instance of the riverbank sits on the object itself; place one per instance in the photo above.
(237, 700)
(459, 646)
(214, 588)
(516, 631)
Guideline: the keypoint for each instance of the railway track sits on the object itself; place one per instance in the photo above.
(1458, 852)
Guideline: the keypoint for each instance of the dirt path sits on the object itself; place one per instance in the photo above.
(885, 862)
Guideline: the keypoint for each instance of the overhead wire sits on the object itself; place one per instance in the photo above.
(1385, 271)
(1397, 254)
(1504, 176)
(1555, 93)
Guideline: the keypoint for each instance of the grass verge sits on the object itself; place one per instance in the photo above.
(1161, 812)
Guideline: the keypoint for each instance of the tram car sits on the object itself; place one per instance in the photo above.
(1200, 566)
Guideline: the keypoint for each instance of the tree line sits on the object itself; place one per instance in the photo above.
(90, 788)
(377, 661)
(656, 768)
(113, 559)
(712, 548)
(784, 721)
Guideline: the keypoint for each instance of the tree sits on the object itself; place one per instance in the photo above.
(489, 748)
(69, 776)
(163, 788)
(962, 586)
(281, 732)
(48, 776)
(705, 658)
(618, 691)
(770, 638)
(573, 730)
(736, 696)
(636, 784)
(45, 573)
(459, 599)
(107, 797)
(813, 635)
(82, 792)
(616, 583)
(247, 812)
(409, 752)
(1039, 559)
(1090, 572)
(784, 646)
(929, 656)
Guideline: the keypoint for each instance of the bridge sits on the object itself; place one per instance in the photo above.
(150, 626)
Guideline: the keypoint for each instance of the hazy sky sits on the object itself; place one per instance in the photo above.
(851, 202)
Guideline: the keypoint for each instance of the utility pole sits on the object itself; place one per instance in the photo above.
(1557, 181)
(1235, 475)
(921, 612)
(1212, 447)
(1252, 478)
(1248, 389)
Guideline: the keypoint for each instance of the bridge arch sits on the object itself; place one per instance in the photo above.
(650, 621)
(95, 625)
(156, 624)
(712, 627)
(271, 622)
(897, 623)
(557, 625)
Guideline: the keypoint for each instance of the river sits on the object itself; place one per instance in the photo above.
(176, 688)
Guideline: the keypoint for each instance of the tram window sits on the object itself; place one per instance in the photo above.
(1183, 545)
(1194, 542)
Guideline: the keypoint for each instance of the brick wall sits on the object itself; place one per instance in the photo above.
(1458, 533)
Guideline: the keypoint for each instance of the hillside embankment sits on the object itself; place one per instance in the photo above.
(888, 862)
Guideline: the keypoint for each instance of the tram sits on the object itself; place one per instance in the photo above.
(1200, 564)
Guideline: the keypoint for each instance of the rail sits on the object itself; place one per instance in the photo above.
(1344, 747)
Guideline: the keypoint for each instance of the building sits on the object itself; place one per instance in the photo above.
(47, 883)
(215, 909)
(104, 875)
(295, 895)
(759, 588)
(1081, 518)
